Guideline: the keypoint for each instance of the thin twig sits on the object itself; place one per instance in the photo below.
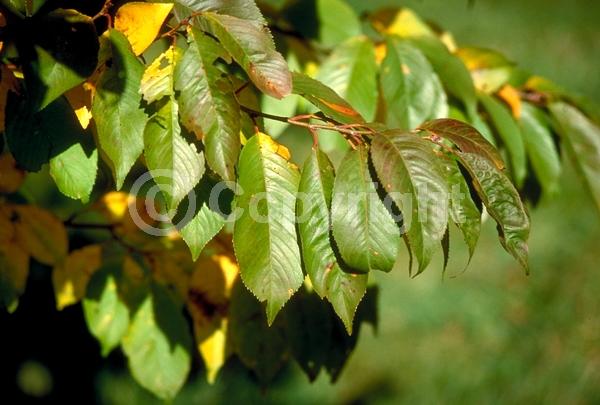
(104, 12)
(183, 23)
(352, 132)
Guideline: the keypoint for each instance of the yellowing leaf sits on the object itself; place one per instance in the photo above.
(268, 143)
(114, 205)
(41, 234)
(380, 52)
(11, 177)
(14, 269)
(70, 277)
(208, 300)
(80, 99)
(511, 96)
(403, 22)
(141, 22)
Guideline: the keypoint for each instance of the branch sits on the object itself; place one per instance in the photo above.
(352, 132)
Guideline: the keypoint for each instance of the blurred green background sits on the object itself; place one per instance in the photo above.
(490, 334)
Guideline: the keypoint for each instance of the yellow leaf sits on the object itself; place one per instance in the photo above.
(511, 96)
(14, 269)
(70, 277)
(114, 205)
(404, 23)
(380, 52)
(141, 22)
(208, 300)
(41, 234)
(267, 142)
(80, 98)
(11, 177)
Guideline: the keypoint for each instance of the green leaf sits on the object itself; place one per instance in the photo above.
(325, 99)
(490, 70)
(120, 121)
(582, 139)
(52, 130)
(206, 223)
(261, 348)
(330, 13)
(158, 345)
(244, 9)
(74, 160)
(74, 170)
(264, 234)
(412, 91)
(351, 71)
(342, 289)
(106, 312)
(176, 165)
(463, 211)
(509, 131)
(465, 137)
(541, 148)
(365, 232)
(208, 106)
(451, 70)
(66, 53)
(253, 49)
(503, 203)
(413, 177)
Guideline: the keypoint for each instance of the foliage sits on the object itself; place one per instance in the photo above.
(428, 134)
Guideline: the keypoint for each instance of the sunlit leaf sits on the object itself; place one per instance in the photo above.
(244, 9)
(158, 78)
(510, 133)
(463, 211)
(325, 99)
(413, 177)
(120, 121)
(253, 49)
(176, 165)
(141, 22)
(208, 106)
(503, 203)
(364, 230)
(70, 278)
(158, 345)
(412, 91)
(351, 72)
(490, 70)
(582, 138)
(541, 148)
(264, 234)
(401, 22)
(208, 301)
(330, 13)
(343, 290)
(106, 312)
(465, 137)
